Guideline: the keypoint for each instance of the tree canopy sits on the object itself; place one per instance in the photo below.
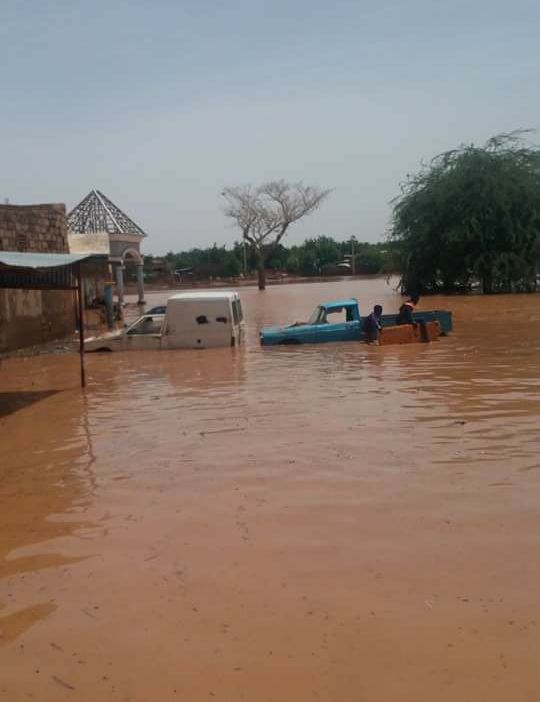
(472, 215)
(321, 255)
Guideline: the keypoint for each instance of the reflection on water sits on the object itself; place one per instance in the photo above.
(18, 399)
(173, 463)
(45, 471)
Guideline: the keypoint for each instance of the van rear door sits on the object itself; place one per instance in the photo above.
(198, 323)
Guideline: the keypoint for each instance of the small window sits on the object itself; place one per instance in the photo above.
(202, 319)
(222, 320)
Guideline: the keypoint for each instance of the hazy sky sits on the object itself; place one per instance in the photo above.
(162, 103)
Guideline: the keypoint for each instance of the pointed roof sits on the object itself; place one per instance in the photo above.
(96, 213)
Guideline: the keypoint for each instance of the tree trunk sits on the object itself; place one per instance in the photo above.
(487, 283)
(261, 274)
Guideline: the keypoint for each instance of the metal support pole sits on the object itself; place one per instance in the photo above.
(140, 283)
(81, 323)
(120, 284)
(109, 305)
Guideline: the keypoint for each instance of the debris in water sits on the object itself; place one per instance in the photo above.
(62, 683)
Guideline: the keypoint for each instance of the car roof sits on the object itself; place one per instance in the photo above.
(205, 295)
(153, 315)
(350, 302)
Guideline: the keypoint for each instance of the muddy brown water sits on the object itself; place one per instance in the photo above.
(329, 523)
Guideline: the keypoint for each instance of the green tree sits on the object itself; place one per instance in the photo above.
(277, 258)
(472, 214)
(369, 260)
(327, 251)
(232, 266)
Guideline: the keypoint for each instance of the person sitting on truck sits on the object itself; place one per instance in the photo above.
(405, 316)
(372, 325)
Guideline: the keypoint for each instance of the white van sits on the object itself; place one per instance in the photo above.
(203, 320)
(191, 320)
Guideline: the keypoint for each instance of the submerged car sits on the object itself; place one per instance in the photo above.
(340, 320)
(191, 320)
(160, 309)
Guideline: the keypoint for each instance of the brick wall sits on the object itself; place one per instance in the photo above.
(33, 228)
(29, 317)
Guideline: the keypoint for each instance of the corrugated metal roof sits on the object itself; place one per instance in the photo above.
(19, 259)
(42, 271)
(96, 213)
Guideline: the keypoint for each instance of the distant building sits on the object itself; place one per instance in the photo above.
(95, 215)
(157, 265)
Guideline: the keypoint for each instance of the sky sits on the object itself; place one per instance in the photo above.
(163, 103)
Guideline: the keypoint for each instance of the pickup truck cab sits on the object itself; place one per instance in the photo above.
(191, 320)
(339, 321)
(331, 321)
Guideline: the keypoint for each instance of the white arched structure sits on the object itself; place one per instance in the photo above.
(97, 213)
(134, 254)
(131, 254)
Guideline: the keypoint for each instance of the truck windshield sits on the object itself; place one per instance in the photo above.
(147, 325)
(318, 316)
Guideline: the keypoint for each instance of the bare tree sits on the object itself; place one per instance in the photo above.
(265, 213)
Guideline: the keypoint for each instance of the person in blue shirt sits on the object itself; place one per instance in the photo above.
(372, 325)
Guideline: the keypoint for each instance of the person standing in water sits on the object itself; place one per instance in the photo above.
(372, 325)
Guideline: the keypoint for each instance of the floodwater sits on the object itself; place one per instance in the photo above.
(327, 523)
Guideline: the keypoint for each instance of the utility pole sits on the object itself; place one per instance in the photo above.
(245, 258)
(353, 255)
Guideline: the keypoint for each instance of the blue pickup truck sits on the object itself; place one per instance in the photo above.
(339, 320)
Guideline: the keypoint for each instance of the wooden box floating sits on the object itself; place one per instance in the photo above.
(409, 334)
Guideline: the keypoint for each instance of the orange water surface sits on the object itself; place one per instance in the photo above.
(336, 523)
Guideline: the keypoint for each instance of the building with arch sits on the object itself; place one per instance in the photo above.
(96, 214)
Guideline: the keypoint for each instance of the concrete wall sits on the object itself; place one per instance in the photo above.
(118, 247)
(30, 317)
(95, 275)
(93, 242)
